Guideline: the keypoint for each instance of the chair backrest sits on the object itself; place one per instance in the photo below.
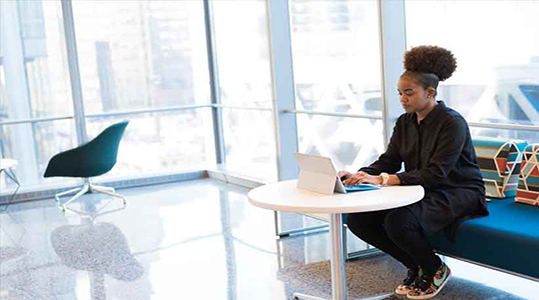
(104, 147)
(94, 158)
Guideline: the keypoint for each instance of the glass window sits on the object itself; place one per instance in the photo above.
(352, 143)
(250, 143)
(141, 54)
(161, 142)
(242, 45)
(336, 56)
(34, 78)
(526, 135)
(34, 83)
(497, 77)
(242, 50)
(33, 145)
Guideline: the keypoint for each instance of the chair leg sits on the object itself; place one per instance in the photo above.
(71, 191)
(106, 188)
(103, 191)
(11, 174)
(88, 187)
(82, 191)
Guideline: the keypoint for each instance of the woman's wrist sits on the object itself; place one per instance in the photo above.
(393, 180)
(383, 179)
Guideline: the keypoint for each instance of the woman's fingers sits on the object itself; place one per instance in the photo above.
(358, 178)
(355, 179)
(352, 181)
(344, 174)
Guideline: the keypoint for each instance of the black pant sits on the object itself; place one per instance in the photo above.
(398, 233)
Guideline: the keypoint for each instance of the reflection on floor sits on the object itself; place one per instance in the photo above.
(193, 240)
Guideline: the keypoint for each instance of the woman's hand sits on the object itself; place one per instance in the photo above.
(344, 175)
(361, 177)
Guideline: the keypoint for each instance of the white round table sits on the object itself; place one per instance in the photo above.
(284, 196)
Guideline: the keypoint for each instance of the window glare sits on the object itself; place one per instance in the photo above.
(497, 53)
(147, 55)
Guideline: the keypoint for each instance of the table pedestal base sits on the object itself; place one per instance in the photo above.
(338, 275)
(298, 296)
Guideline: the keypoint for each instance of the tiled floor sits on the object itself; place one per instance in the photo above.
(193, 240)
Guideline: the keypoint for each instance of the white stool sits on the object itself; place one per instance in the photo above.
(8, 166)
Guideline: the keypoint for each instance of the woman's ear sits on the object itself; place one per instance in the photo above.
(431, 92)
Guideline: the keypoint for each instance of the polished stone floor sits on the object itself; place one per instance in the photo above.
(194, 240)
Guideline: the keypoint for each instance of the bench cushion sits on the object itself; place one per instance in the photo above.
(508, 238)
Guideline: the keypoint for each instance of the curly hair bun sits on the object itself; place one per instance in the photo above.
(430, 59)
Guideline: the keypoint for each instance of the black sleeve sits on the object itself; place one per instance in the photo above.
(449, 145)
(390, 161)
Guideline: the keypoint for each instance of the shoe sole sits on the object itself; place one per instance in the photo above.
(431, 295)
(401, 292)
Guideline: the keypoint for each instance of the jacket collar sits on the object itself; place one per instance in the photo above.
(431, 117)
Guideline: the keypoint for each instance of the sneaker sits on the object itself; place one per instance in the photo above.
(407, 284)
(429, 286)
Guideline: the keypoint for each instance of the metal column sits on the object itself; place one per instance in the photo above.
(215, 87)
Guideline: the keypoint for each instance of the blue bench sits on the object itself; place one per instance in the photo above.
(506, 240)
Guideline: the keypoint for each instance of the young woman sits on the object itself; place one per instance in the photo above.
(435, 145)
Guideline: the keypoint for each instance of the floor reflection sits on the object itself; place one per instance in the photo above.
(191, 240)
(228, 239)
(99, 249)
(11, 238)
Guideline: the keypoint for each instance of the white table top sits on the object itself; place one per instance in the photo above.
(284, 196)
(7, 163)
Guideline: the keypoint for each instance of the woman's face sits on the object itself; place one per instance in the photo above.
(413, 97)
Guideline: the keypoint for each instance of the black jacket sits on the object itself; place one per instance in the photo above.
(438, 154)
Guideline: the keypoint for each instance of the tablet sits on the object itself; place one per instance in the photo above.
(319, 174)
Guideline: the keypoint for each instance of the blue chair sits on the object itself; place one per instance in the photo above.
(91, 159)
